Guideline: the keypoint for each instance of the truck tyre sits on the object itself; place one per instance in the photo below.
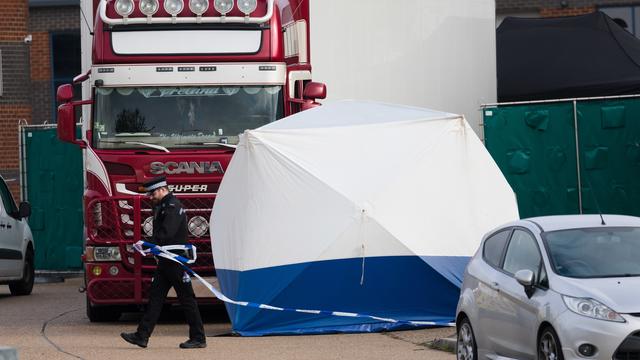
(24, 285)
(102, 313)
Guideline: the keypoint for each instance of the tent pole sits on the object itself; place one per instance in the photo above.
(575, 125)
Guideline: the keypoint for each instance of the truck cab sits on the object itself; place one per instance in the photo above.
(171, 85)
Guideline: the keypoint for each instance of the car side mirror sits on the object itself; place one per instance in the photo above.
(24, 210)
(526, 278)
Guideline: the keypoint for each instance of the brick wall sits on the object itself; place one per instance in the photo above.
(10, 115)
(15, 71)
(27, 73)
(42, 22)
(54, 18)
(572, 11)
(13, 20)
(15, 102)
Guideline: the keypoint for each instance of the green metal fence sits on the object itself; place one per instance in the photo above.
(570, 156)
(52, 183)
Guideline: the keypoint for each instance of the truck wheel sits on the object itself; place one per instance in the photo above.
(102, 313)
(24, 285)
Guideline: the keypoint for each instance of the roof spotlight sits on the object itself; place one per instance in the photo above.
(149, 7)
(173, 7)
(198, 7)
(247, 6)
(124, 8)
(223, 6)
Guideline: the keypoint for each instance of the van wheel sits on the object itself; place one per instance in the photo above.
(466, 348)
(24, 286)
(102, 313)
(549, 347)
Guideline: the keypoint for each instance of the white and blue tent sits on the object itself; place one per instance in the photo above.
(355, 207)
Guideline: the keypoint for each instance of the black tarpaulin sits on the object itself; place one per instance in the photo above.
(555, 58)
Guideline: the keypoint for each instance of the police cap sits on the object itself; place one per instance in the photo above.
(155, 183)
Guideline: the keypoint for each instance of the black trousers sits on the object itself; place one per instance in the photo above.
(169, 274)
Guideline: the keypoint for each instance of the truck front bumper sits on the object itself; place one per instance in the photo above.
(125, 288)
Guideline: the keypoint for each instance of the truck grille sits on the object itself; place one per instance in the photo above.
(125, 220)
(121, 291)
(110, 290)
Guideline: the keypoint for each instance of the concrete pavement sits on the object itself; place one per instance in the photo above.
(51, 324)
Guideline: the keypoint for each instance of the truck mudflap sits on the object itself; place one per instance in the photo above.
(121, 221)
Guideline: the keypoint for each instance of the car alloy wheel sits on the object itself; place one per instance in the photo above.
(466, 343)
(549, 346)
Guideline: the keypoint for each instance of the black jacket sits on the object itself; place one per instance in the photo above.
(169, 222)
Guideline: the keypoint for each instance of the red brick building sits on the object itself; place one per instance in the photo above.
(39, 49)
(15, 85)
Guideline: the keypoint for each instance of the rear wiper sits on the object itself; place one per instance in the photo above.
(212, 143)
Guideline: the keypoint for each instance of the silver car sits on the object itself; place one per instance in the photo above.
(556, 287)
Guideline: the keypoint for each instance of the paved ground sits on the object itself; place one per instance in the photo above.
(51, 324)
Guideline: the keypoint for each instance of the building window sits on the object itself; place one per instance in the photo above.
(65, 61)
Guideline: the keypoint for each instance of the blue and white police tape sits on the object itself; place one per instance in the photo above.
(165, 252)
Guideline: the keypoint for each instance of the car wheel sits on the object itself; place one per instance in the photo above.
(24, 286)
(549, 347)
(466, 348)
(102, 313)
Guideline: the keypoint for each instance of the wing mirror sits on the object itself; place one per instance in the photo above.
(526, 278)
(312, 92)
(64, 93)
(315, 90)
(66, 121)
(24, 211)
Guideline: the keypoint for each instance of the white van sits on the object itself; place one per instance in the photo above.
(16, 244)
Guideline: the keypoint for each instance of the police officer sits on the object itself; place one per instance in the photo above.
(169, 228)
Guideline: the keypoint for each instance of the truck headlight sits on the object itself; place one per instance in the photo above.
(247, 6)
(223, 6)
(591, 308)
(149, 7)
(173, 7)
(198, 7)
(106, 253)
(124, 8)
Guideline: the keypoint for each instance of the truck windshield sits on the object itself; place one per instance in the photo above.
(181, 117)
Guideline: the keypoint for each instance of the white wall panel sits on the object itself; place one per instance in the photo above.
(438, 54)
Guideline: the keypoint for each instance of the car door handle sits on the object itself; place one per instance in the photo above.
(495, 286)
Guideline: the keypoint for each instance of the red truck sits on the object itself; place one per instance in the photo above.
(169, 85)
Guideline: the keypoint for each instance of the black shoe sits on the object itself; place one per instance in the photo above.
(135, 339)
(193, 344)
